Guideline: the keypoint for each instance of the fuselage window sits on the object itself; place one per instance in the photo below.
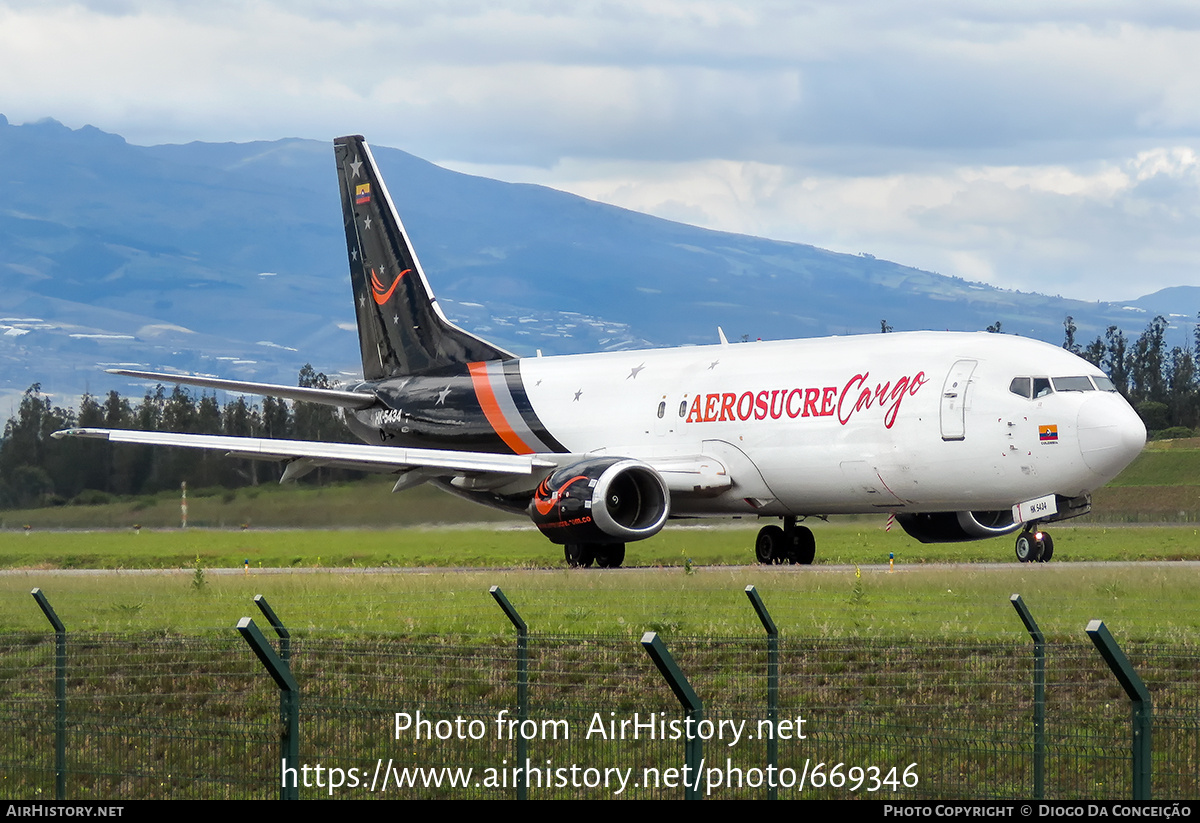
(1042, 387)
(662, 408)
(1020, 386)
(682, 408)
(1072, 384)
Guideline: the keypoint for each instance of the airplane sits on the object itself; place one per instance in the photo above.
(959, 436)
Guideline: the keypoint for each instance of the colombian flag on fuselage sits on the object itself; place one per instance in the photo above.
(1048, 434)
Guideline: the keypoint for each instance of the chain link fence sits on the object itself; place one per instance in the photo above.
(198, 717)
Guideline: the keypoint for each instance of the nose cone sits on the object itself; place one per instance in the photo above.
(1110, 434)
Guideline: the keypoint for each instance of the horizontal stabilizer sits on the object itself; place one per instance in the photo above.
(326, 397)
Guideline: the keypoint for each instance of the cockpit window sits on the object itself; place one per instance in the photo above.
(1042, 387)
(1072, 384)
(1020, 386)
(1103, 383)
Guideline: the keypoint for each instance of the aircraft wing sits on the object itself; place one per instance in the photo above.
(683, 473)
(326, 397)
(340, 455)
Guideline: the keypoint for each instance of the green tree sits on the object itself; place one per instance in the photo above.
(1116, 361)
(1183, 400)
(92, 457)
(1094, 352)
(314, 421)
(1069, 338)
(1147, 362)
(242, 419)
(123, 462)
(276, 419)
(34, 465)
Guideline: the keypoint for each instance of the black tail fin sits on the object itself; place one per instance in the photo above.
(401, 328)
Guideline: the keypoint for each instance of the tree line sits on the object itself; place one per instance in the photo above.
(1162, 385)
(36, 469)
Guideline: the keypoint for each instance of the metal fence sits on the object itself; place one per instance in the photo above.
(199, 717)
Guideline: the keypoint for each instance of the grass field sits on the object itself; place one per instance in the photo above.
(923, 598)
(863, 542)
(366, 504)
(1161, 486)
(1154, 602)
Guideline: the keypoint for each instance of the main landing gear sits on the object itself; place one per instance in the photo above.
(1034, 546)
(791, 544)
(604, 555)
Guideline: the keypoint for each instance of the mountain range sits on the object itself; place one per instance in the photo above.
(229, 259)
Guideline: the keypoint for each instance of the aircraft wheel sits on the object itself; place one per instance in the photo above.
(769, 545)
(579, 555)
(1047, 548)
(804, 546)
(610, 556)
(1029, 550)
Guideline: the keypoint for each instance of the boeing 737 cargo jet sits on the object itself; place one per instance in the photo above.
(961, 436)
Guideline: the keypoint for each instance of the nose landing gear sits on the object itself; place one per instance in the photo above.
(1034, 546)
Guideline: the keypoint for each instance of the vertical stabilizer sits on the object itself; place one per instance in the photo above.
(401, 328)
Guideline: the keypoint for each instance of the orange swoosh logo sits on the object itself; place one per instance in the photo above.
(544, 487)
(381, 294)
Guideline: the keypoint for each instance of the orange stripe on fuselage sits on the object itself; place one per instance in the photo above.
(491, 409)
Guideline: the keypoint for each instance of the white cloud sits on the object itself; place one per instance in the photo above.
(1093, 232)
(1047, 145)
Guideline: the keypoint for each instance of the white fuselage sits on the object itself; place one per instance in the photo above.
(922, 421)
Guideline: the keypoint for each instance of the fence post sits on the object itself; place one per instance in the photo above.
(1139, 698)
(694, 709)
(60, 695)
(285, 637)
(772, 684)
(1039, 696)
(522, 686)
(281, 673)
(285, 654)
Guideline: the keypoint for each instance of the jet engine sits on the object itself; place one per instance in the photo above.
(958, 527)
(604, 500)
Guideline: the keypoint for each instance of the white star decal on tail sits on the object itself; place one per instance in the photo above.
(356, 165)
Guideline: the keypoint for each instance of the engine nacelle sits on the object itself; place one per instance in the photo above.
(958, 527)
(604, 500)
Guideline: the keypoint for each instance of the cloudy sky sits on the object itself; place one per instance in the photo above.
(1048, 146)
